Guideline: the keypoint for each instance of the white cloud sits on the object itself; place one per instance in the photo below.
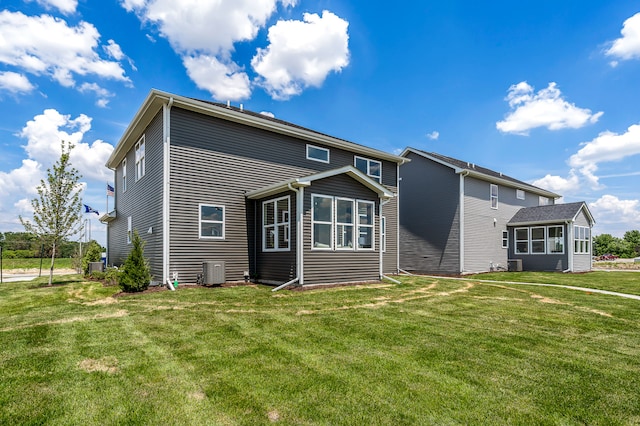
(433, 135)
(65, 6)
(558, 184)
(606, 147)
(114, 50)
(206, 53)
(22, 180)
(617, 214)
(46, 131)
(627, 46)
(44, 45)
(302, 53)
(102, 93)
(546, 108)
(223, 81)
(15, 83)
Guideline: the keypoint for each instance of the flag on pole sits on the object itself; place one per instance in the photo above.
(111, 192)
(88, 209)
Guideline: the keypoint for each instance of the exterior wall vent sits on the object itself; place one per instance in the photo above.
(213, 272)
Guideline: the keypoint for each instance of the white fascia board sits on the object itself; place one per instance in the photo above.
(587, 212)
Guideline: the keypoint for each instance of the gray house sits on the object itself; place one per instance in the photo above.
(457, 217)
(209, 184)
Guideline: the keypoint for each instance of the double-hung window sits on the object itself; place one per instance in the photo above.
(505, 239)
(538, 240)
(520, 194)
(543, 201)
(317, 153)
(344, 224)
(522, 240)
(371, 168)
(555, 239)
(494, 196)
(275, 224)
(322, 221)
(140, 158)
(582, 239)
(124, 175)
(383, 233)
(365, 224)
(212, 221)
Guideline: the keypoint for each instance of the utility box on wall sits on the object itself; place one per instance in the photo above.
(213, 272)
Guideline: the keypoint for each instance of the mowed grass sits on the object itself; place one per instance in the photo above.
(427, 351)
(20, 264)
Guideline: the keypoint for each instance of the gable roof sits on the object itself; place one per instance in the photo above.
(479, 172)
(157, 99)
(553, 213)
(351, 171)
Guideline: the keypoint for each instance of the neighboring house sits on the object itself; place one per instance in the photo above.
(457, 217)
(205, 182)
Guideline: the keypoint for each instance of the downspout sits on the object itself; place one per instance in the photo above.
(165, 190)
(462, 175)
(381, 262)
(398, 179)
(571, 247)
(299, 248)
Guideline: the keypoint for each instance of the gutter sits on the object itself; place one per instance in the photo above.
(382, 203)
(166, 208)
(299, 247)
(461, 203)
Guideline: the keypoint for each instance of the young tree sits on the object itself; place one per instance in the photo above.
(135, 275)
(57, 211)
(633, 239)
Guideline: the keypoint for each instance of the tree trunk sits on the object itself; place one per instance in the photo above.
(53, 256)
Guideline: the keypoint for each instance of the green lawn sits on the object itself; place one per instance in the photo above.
(60, 263)
(427, 351)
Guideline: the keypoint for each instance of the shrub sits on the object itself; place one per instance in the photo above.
(135, 275)
(93, 254)
(112, 276)
(97, 275)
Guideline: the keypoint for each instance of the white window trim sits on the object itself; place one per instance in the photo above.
(516, 241)
(200, 221)
(563, 240)
(369, 161)
(491, 197)
(140, 159)
(543, 201)
(129, 230)
(314, 221)
(586, 240)
(383, 233)
(318, 159)
(505, 239)
(124, 175)
(352, 224)
(520, 194)
(372, 225)
(285, 224)
(544, 240)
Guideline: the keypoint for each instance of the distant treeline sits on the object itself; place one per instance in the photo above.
(626, 247)
(23, 245)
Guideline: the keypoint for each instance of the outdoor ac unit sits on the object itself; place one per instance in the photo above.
(213, 272)
(515, 265)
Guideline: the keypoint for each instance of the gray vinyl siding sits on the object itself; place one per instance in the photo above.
(142, 201)
(326, 266)
(542, 261)
(483, 234)
(390, 256)
(429, 217)
(275, 266)
(214, 161)
(582, 262)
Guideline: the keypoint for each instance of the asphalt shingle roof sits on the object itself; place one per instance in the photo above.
(549, 213)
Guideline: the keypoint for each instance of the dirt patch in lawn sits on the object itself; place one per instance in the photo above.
(107, 364)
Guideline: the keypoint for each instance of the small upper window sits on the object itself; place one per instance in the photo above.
(211, 221)
(140, 158)
(543, 201)
(317, 153)
(124, 175)
(372, 168)
(494, 196)
(519, 194)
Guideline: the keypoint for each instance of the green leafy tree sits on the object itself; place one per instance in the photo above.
(603, 244)
(57, 210)
(93, 253)
(135, 274)
(633, 239)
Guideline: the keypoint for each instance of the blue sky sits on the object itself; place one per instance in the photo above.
(546, 92)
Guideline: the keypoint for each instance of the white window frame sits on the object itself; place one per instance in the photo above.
(368, 171)
(342, 225)
(520, 194)
(549, 242)
(321, 222)
(129, 230)
(201, 221)
(140, 157)
(319, 148)
(543, 201)
(505, 239)
(124, 175)
(278, 222)
(516, 241)
(371, 225)
(493, 198)
(582, 239)
(538, 240)
(383, 233)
